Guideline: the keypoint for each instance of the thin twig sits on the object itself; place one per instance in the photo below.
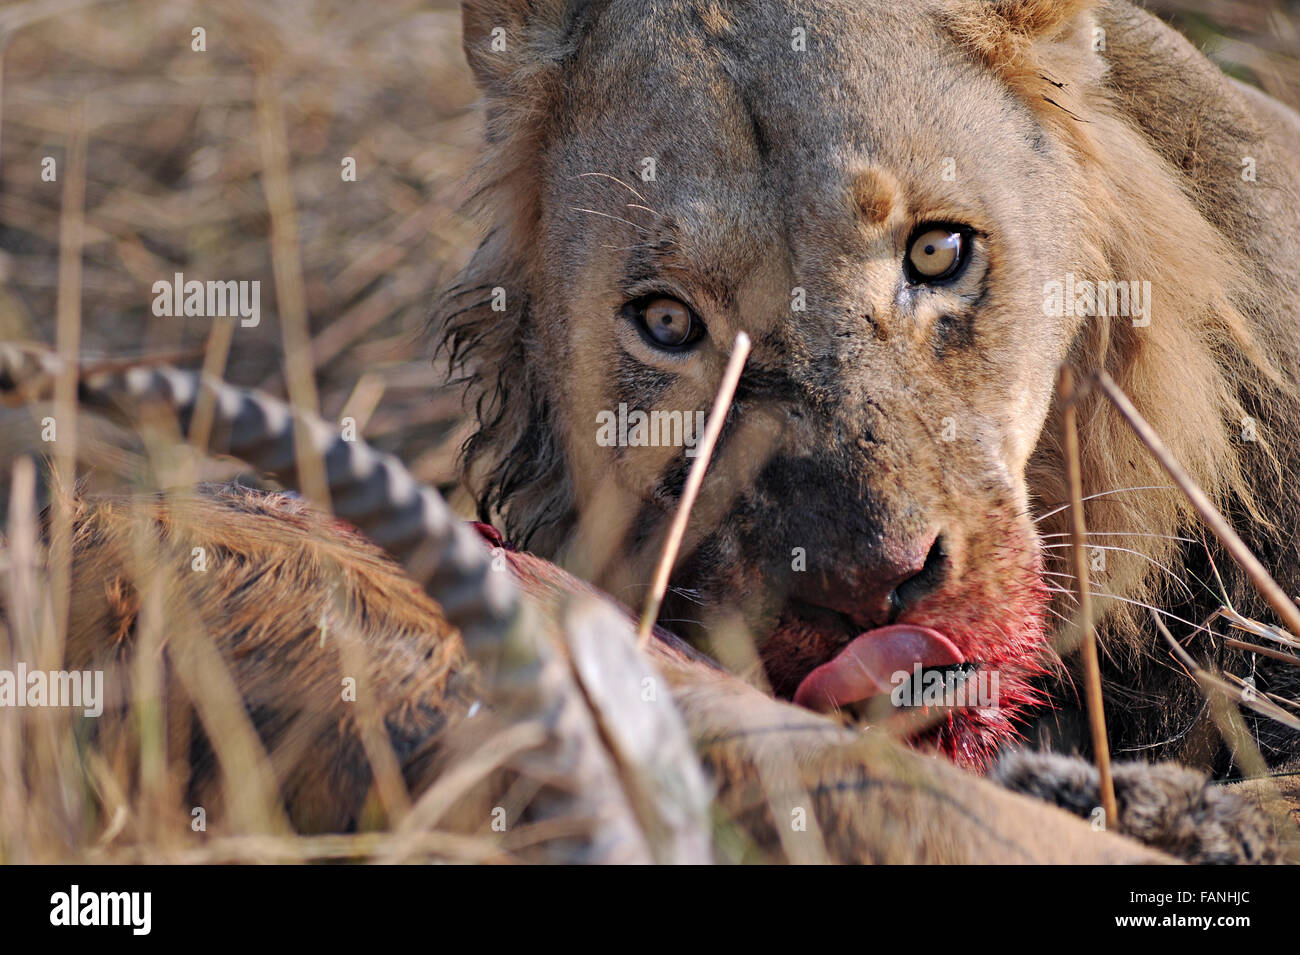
(1290, 658)
(72, 219)
(721, 405)
(1210, 681)
(1091, 665)
(1239, 622)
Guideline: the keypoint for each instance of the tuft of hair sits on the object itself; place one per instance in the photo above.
(1044, 49)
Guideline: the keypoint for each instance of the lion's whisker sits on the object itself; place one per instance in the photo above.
(634, 205)
(688, 593)
(1168, 537)
(1125, 550)
(1137, 603)
(1100, 494)
(607, 215)
(1065, 591)
(1057, 573)
(1173, 739)
(1058, 615)
(605, 175)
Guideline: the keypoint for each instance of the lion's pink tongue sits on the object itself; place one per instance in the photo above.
(865, 668)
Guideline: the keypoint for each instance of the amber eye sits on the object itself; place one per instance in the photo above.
(936, 253)
(668, 322)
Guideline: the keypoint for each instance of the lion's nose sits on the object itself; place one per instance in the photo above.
(888, 582)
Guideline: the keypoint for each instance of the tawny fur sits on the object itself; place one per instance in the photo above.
(280, 589)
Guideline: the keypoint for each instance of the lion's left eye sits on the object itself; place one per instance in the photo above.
(936, 253)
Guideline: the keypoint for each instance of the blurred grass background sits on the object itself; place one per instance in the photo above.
(175, 183)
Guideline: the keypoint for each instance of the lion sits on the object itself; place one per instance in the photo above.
(918, 213)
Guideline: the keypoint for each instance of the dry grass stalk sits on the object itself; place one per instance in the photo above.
(1083, 618)
(1222, 696)
(1266, 706)
(215, 356)
(459, 779)
(21, 602)
(68, 345)
(1290, 658)
(721, 405)
(170, 621)
(1245, 624)
(384, 765)
(291, 295)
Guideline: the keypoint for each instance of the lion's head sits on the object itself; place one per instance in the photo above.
(902, 205)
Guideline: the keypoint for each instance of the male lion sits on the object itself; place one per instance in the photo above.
(918, 212)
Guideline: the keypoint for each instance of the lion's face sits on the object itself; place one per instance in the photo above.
(880, 195)
(711, 179)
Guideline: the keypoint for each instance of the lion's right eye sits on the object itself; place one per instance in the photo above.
(667, 322)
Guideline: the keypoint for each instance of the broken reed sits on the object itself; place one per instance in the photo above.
(668, 557)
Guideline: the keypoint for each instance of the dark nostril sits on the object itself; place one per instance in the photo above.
(925, 581)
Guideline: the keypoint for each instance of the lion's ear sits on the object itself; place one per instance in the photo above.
(513, 45)
(1048, 51)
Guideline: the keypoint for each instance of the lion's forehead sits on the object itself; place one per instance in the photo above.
(797, 76)
(738, 134)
